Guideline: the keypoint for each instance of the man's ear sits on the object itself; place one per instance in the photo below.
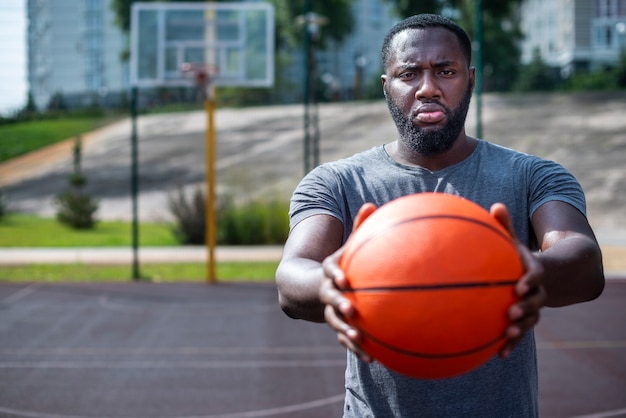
(383, 79)
(472, 76)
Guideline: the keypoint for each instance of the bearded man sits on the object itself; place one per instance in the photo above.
(428, 83)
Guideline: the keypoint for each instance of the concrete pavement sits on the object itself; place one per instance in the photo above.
(614, 255)
(124, 255)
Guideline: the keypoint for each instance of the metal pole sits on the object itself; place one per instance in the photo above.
(478, 54)
(307, 87)
(134, 182)
(211, 218)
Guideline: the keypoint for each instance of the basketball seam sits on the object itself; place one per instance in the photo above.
(432, 355)
(427, 287)
(419, 218)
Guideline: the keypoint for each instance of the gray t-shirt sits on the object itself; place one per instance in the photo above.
(499, 388)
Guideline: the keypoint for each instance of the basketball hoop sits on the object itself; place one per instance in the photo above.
(203, 76)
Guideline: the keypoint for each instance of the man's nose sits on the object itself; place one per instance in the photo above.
(428, 87)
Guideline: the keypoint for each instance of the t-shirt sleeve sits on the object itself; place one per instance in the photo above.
(317, 194)
(549, 181)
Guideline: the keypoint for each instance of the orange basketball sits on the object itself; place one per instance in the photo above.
(431, 277)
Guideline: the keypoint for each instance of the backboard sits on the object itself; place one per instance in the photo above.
(234, 42)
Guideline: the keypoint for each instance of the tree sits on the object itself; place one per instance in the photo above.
(536, 76)
(75, 208)
(620, 70)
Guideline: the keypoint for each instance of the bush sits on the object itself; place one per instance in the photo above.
(255, 223)
(76, 210)
(535, 76)
(3, 205)
(591, 81)
(190, 227)
(262, 222)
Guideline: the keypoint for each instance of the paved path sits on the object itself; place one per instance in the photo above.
(185, 254)
(614, 256)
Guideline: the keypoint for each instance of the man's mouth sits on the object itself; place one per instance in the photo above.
(430, 113)
(431, 117)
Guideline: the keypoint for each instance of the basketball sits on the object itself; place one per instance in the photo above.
(431, 276)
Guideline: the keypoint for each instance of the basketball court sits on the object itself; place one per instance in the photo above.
(192, 350)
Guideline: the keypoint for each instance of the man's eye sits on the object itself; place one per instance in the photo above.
(407, 76)
(446, 72)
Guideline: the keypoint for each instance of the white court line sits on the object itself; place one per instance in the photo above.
(573, 345)
(211, 364)
(606, 414)
(20, 294)
(249, 414)
(180, 351)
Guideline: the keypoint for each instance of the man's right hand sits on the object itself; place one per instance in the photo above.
(338, 310)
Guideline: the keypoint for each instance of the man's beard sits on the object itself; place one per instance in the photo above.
(431, 141)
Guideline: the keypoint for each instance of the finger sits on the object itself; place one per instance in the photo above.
(332, 269)
(532, 279)
(523, 315)
(347, 335)
(501, 214)
(515, 332)
(364, 212)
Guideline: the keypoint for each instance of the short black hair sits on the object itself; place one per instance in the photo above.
(423, 21)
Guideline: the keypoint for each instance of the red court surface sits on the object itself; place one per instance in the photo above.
(138, 350)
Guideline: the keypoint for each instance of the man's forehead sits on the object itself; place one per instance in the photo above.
(432, 40)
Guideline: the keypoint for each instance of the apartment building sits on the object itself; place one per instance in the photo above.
(574, 35)
(74, 50)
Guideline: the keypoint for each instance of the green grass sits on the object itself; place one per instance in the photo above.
(23, 137)
(183, 272)
(21, 230)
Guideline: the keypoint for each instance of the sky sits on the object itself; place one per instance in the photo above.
(13, 84)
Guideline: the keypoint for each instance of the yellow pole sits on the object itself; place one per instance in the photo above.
(211, 221)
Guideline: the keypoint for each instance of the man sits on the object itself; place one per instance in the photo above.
(428, 84)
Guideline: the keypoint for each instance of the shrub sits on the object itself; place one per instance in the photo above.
(254, 223)
(74, 208)
(3, 205)
(190, 227)
(262, 222)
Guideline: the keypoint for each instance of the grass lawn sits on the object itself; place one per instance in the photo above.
(22, 137)
(179, 272)
(21, 230)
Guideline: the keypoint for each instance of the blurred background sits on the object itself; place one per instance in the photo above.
(552, 82)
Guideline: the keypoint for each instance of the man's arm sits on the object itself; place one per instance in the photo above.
(300, 273)
(570, 255)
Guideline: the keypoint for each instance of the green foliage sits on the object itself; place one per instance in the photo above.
(406, 8)
(161, 272)
(253, 223)
(591, 81)
(619, 71)
(536, 76)
(20, 137)
(57, 103)
(22, 230)
(74, 208)
(261, 222)
(3, 205)
(190, 216)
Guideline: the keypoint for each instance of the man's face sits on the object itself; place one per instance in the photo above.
(428, 87)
